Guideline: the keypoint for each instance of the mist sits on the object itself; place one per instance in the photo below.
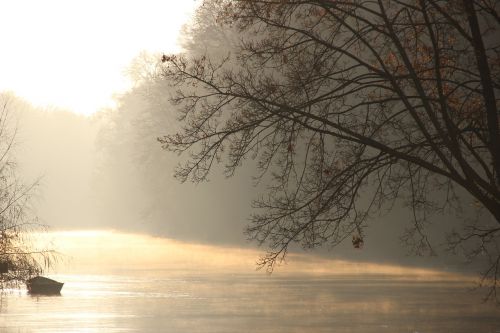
(108, 171)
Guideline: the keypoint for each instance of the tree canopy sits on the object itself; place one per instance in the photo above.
(349, 108)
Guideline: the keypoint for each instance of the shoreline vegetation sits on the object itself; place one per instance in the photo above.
(20, 259)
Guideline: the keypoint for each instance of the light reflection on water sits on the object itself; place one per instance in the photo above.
(248, 303)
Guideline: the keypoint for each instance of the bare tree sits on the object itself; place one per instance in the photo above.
(350, 107)
(19, 260)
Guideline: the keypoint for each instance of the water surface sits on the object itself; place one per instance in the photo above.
(162, 302)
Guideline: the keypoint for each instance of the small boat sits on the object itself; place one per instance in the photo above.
(43, 285)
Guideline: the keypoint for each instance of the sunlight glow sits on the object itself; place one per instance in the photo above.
(95, 251)
(73, 54)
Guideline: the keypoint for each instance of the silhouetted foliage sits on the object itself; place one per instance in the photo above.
(19, 259)
(351, 107)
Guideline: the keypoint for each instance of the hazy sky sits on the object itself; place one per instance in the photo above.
(73, 54)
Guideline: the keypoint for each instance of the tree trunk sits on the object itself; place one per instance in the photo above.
(486, 82)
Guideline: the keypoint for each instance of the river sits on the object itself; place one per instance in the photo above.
(161, 301)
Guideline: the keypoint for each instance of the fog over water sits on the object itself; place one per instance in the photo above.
(164, 302)
(122, 282)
